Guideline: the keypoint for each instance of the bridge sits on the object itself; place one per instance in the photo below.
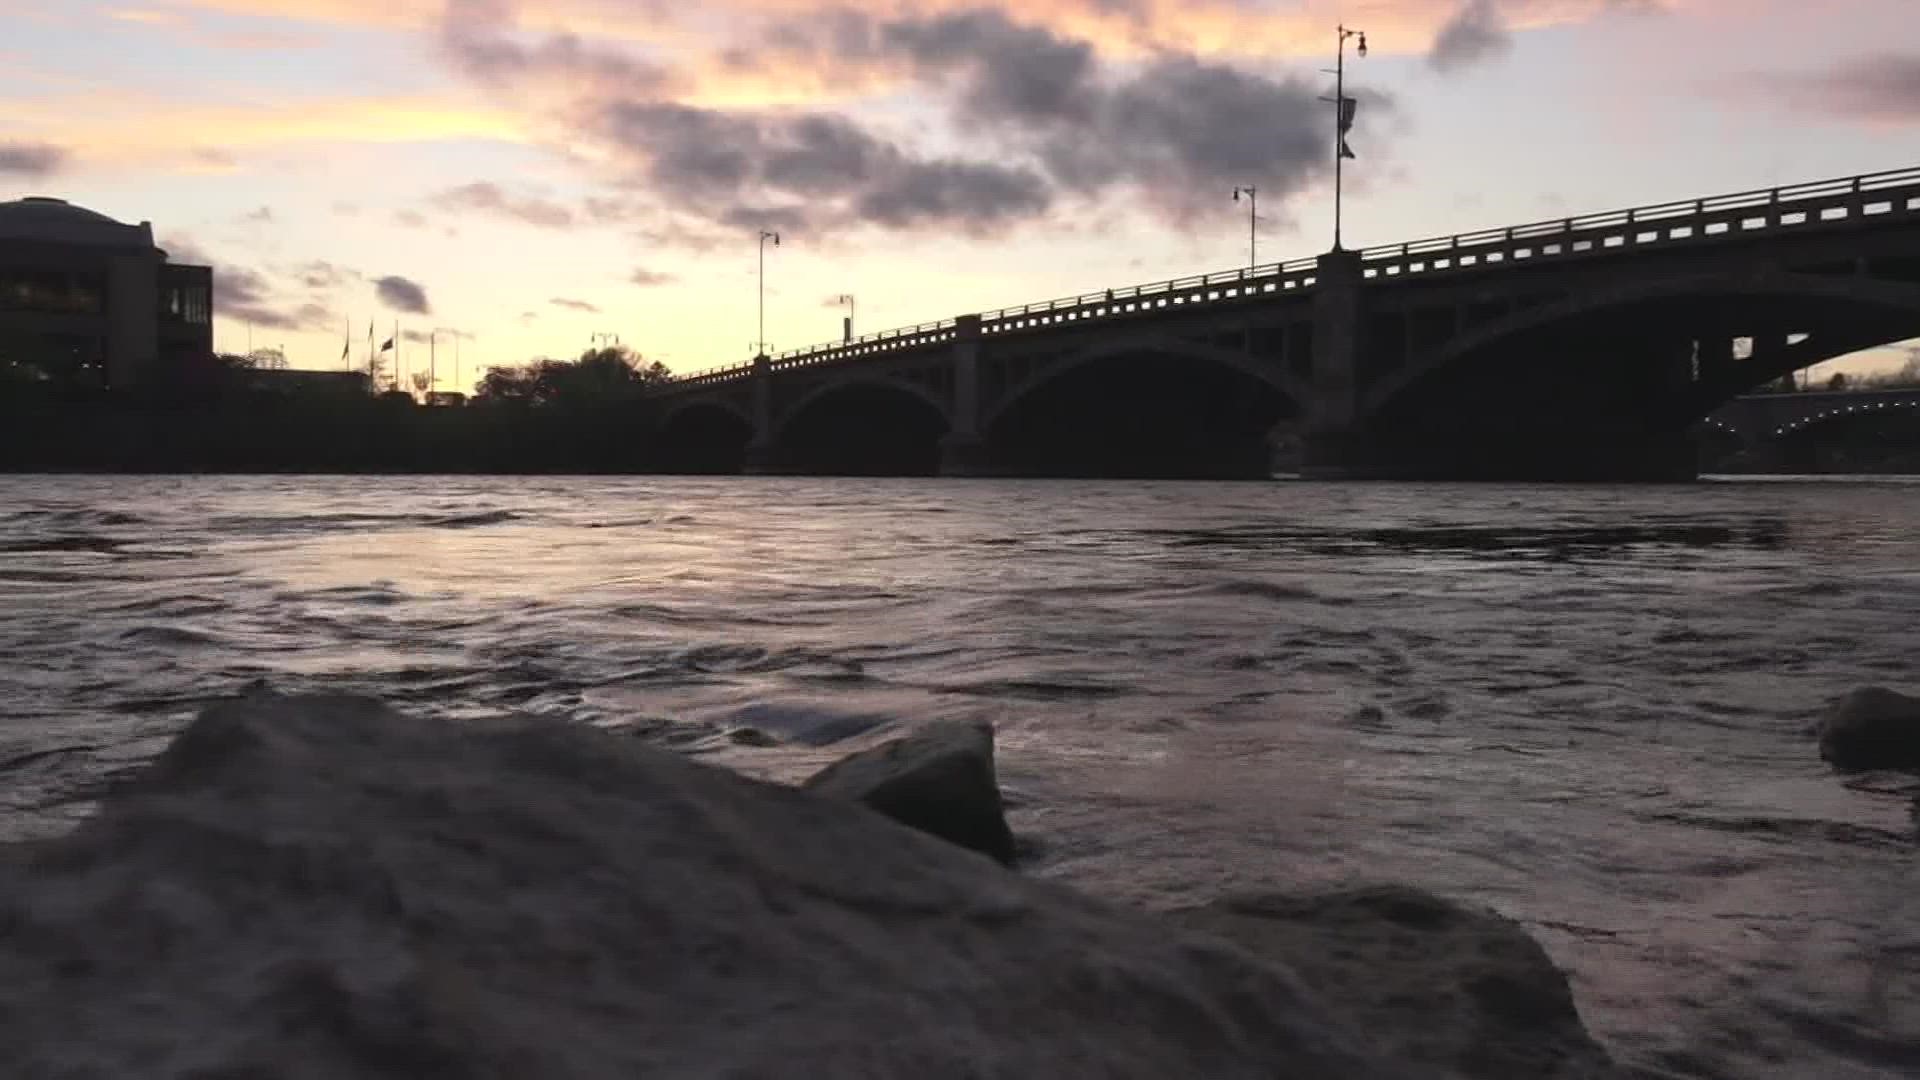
(1790, 431)
(1587, 347)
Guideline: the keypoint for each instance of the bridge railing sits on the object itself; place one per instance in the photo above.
(1685, 221)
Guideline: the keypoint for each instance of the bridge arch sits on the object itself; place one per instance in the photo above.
(1273, 375)
(678, 409)
(1887, 312)
(856, 383)
(863, 424)
(1153, 406)
(702, 435)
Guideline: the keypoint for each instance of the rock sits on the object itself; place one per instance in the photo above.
(313, 888)
(1431, 981)
(939, 779)
(1872, 728)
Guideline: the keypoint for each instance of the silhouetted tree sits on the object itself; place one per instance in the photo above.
(1838, 382)
(599, 377)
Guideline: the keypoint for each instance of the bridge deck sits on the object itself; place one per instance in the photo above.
(1826, 204)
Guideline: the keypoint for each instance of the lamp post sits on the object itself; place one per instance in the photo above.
(1343, 111)
(764, 237)
(1253, 217)
(846, 329)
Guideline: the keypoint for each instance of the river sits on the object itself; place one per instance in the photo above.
(1587, 707)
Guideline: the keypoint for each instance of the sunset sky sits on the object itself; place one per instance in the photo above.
(531, 174)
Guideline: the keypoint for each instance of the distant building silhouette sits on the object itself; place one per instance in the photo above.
(88, 300)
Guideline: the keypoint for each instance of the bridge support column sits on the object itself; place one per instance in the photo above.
(1715, 358)
(1333, 445)
(763, 456)
(963, 452)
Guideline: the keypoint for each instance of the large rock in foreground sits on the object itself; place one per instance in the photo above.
(940, 779)
(1872, 728)
(1429, 980)
(319, 887)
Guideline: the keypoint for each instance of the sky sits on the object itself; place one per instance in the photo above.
(525, 176)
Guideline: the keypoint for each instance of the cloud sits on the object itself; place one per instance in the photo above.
(262, 216)
(245, 295)
(489, 198)
(574, 305)
(1042, 115)
(410, 219)
(321, 274)
(31, 159)
(1476, 34)
(650, 278)
(404, 295)
(1883, 88)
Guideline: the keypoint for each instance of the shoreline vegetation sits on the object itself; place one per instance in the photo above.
(593, 415)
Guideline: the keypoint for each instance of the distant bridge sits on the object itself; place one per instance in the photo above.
(1585, 347)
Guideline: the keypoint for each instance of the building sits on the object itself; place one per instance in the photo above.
(304, 383)
(86, 300)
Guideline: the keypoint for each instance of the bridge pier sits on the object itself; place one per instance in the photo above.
(1589, 457)
(966, 455)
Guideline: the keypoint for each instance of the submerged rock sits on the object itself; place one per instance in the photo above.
(321, 887)
(1429, 980)
(940, 779)
(1872, 728)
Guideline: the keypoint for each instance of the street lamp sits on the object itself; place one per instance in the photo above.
(1253, 217)
(846, 329)
(764, 237)
(1344, 108)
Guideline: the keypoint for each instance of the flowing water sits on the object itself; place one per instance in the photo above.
(1586, 707)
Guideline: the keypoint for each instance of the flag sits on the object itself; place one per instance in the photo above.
(344, 347)
(1348, 107)
(387, 346)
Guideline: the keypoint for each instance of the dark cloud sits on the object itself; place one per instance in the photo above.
(649, 278)
(1882, 88)
(1476, 34)
(401, 294)
(321, 274)
(486, 197)
(574, 305)
(1049, 120)
(1014, 71)
(1172, 131)
(477, 35)
(31, 159)
(262, 216)
(806, 171)
(242, 294)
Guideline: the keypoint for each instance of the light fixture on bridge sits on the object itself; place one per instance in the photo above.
(764, 237)
(1253, 218)
(1344, 110)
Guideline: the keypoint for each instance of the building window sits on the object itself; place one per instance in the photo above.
(52, 291)
(197, 309)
